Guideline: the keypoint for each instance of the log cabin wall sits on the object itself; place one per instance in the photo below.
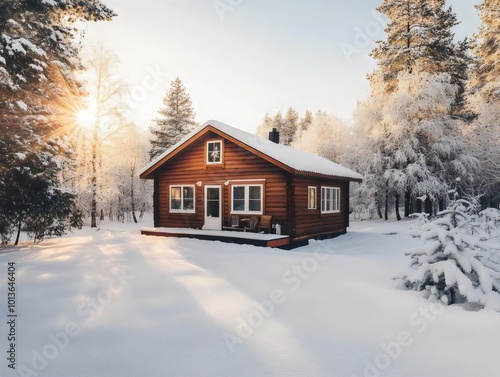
(189, 167)
(311, 223)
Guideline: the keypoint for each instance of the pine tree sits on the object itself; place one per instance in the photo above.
(412, 142)
(306, 121)
(289, 126)
(38, 57)
(419, 144)
(265, 126)
(458, 266)
(278, 123)
(484, 100)
(286, 125)
(327, 136)
(419, 34)
(176, 121)
(485, 72)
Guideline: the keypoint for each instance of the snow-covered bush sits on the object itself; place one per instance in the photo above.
(457, 264)
(489, 224)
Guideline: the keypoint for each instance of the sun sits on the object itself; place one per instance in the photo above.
(86, 118)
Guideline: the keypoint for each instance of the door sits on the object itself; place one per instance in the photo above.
(213, 216)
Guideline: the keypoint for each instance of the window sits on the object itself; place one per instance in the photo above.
(214, 152)
(311, 197)
(247, 199)
(182, 198)
(330, 199)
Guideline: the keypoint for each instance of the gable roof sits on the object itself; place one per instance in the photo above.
(291, 159)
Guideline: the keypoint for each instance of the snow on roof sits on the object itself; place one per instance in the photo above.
(296, 159)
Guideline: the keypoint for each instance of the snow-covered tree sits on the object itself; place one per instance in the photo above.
(410, 141)
(419, 34)
(132, 194)
(38, 57)
(306, 121)
(265, 126)
(485, 72)
(289, 126)
(176, 119)
(484, 100)
(456, 265)
(327, 136)
(103, 129)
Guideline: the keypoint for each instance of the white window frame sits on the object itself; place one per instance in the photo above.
(334, 199)
(176, 210)
(315, 203)
(246, 210)
(221, 152)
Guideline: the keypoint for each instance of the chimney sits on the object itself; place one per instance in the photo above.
(274, 136)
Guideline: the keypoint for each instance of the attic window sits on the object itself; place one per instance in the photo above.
(214, 152)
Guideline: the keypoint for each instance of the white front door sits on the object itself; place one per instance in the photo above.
(213, 215)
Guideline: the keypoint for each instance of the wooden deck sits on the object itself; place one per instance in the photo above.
(240, 238)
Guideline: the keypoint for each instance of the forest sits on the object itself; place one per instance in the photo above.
(70, 154)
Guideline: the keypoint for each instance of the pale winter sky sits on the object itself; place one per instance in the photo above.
(239, 59)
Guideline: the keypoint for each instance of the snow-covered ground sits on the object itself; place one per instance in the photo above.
(115, 303)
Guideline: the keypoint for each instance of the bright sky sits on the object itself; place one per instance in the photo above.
(239, 59)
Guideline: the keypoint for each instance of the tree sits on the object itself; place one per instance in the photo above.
(484, 101)
(133, 194)
(286, 125)
(289, 126)
(265, 126)
(485, 71)
(176, 119)
(327, 136)
(419, 34)
(458, 266)
(306, 121)
(411, 142)
(30, 196)
(38, 57)
(103, 127)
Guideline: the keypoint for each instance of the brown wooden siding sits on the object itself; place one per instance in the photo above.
(311, 222)
(239, 164)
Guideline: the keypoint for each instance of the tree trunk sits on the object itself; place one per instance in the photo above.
(132, 199)
(408, 203)
(428, 206)
(19, 224)
(398, 216)
(379, 210)
(386, 209)
(93, 206)
(441, 205)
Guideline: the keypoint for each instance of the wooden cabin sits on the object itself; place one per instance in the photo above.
(218, 176)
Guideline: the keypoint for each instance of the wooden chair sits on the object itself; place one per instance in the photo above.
(265, 223)
(252, 225)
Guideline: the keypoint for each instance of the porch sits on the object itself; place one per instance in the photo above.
(240, 238)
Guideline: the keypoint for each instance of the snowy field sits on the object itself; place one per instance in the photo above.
(115, 303)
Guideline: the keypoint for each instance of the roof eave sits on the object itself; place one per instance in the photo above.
(326, 176)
